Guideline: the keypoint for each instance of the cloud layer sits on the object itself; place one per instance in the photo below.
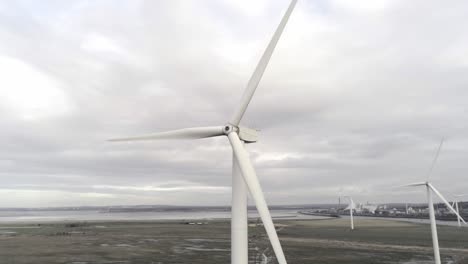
(355, 100)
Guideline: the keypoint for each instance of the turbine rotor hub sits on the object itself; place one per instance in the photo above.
(248, 135)
(228, 128)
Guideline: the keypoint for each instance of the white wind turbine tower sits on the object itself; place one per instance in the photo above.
(429, 190)
(243, 173)
(457, 196)
(351, 207)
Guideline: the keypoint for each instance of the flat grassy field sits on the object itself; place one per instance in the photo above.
(304, 241)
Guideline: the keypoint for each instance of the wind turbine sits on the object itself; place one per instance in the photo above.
(243, 172)
(456, 206)
(429, 190)
(351, 207)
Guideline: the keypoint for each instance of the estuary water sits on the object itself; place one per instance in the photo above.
(99, 215)
(44, 216)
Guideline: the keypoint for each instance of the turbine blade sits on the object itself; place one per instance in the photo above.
(445, 202)
(186, 133)
(413, 184)
(260, 69)
(250, 178)
(435, 159)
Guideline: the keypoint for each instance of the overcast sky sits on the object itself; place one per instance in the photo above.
(355, 100)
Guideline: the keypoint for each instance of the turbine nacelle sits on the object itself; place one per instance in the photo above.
(248, 135)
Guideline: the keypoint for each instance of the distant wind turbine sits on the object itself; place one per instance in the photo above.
(431, 189)
(351, 207)
(457, 196)
(243, 172)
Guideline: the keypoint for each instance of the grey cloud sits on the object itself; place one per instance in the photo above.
(356, 97)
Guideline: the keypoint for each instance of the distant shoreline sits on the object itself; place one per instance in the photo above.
(440, 218)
